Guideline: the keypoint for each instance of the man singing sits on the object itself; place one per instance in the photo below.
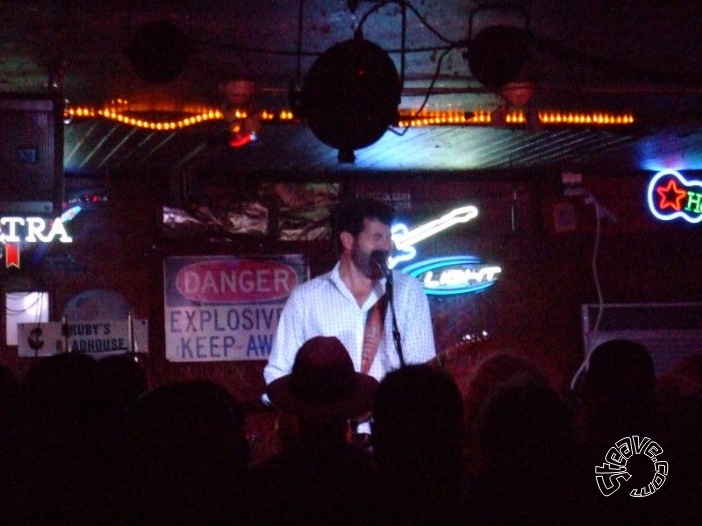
(351, 303)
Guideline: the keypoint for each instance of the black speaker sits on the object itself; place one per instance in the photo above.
(31, 155)
(351, 95)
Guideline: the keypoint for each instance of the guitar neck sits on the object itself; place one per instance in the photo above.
(473, 343)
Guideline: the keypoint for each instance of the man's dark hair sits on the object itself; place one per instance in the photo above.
(350, 215)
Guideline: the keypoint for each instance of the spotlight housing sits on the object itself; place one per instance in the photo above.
(158, 52)
(351, 95)
(497, 55)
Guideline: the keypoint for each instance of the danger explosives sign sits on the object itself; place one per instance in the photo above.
(225, 308)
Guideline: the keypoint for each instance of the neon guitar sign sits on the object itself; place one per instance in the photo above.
(405, 239)
(671, 196)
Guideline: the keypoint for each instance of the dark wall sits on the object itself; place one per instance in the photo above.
(543, 241)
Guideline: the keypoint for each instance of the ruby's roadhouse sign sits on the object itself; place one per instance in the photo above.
(222, 308)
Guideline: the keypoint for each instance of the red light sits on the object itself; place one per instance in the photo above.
(237, 141)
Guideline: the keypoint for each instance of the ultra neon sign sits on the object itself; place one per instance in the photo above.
(454, 275)
(15, 230)
(671, 196)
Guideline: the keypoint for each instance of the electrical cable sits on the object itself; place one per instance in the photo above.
(595, 275)
(358, 32)
(18, 296)
(300, 14)
(364, 17)
(407, 5)
(38, 311)
(276, 52)
(445, 50)
(434, 78)
(600, 211)
(428, 25)
(403, 42)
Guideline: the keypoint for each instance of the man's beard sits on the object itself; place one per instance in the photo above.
(362, 260)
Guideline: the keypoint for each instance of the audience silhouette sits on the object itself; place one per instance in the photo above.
(186, 456)
(319, 476)
(618, 393)
(61, 468)
(617, 400)
(493, 373)
(417, 436)
(86, 441)
(525, 442)
(9, 387)
(680, 428)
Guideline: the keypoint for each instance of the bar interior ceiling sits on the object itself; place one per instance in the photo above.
(560, 85)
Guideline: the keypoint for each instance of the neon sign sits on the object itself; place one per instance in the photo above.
(454, 275)
(405, 239)
(33, 230)
(671, 196)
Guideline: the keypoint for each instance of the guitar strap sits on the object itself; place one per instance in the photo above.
(373, 332)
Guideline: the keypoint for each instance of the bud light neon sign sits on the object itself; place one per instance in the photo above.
(454, 275)
(671, 196)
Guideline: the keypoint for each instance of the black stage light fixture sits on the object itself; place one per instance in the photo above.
(497, 55)
(158, 52)
(351, 95)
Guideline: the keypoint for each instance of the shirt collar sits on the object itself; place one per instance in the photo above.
(335, 277)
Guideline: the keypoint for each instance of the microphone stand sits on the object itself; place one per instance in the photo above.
(395, 330)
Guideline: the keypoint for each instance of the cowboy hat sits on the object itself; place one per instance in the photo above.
(323, 383)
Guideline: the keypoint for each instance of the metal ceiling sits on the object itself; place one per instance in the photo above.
(100, 147)
(630, 57)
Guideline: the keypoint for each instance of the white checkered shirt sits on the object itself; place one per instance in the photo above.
(324, 306)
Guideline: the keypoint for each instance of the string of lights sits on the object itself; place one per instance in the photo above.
(408, 118)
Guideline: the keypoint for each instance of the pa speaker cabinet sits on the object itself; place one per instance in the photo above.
(31, 155)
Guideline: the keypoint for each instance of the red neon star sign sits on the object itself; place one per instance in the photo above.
(669, 191)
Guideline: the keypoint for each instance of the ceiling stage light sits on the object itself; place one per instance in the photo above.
(158, 52)
(497, 55)
(351, 95)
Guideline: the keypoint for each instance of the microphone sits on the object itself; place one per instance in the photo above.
(379, 260)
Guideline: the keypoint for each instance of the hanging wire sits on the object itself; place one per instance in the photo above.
(299, 53)
(38, 312)
(426, 24)
(16, 296)
(359, 27)
(595, 274)
(302, 53)
(600, 211)
(404, 5)
(403, 43)
(434, 78)
(300, 16)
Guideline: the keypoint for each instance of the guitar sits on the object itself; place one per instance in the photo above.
(472, 342)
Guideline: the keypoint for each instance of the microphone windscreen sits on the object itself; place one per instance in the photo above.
(379, 258)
